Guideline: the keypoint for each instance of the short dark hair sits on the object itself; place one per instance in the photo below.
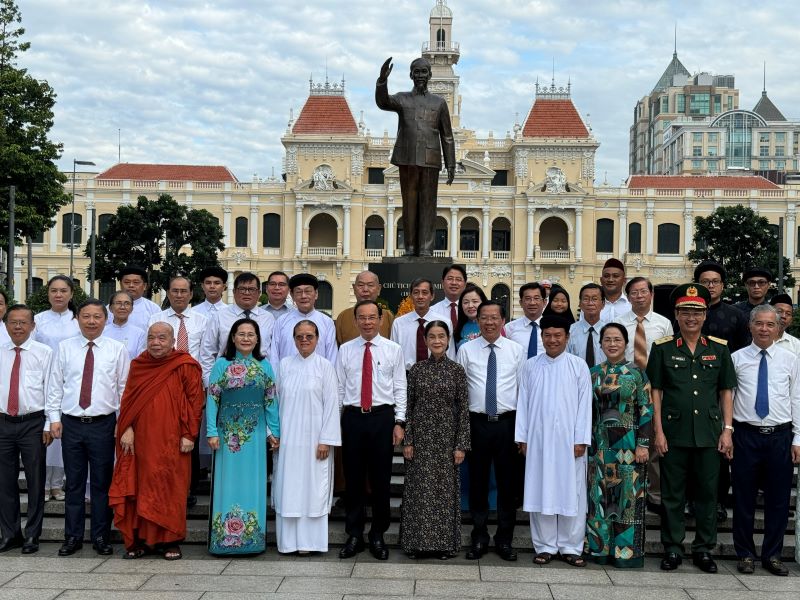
(533, 285)
(93, 302)
(636, 280)
(621, 328)
(281, 273)
(419, 281)
(361, 303)
(244, 278)
(230, 346)
(17, 307)
(171, 279)
(459, 268)
(437, 323)
(482, 305)
(592, 286)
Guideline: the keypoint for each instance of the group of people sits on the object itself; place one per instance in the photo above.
(585, 422)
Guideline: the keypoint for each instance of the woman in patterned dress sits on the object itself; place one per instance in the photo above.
(622, 427)
(436, 440)
(242, 415)
(468, 303)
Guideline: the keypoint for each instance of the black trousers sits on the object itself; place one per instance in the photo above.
(418, 187)
(768, 459)
(367, 455)
(493, 443)
(22, 436)
(86, 445)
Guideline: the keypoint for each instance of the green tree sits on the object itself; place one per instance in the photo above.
(152, 234)
(738, 238)
(27, 156)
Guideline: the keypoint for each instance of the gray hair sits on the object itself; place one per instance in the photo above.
(764, 308)
(119, 293)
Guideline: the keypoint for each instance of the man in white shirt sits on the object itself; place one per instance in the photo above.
(277, 294)
(612, 278)
(24, 428)
(304, 288)
(454, 280)
(214, 281)
(408, 330)
(526, 330)
(372, 394)
(766, 438)
(785, 309)
(584, 334)
(86, 384)
(492, 364)
(120, 328)
(246, 290)
(133, 279)
(187, 324)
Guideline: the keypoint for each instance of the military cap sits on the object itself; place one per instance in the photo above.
(757, 272)
(214, 272)
(132, 270)
(690, 295)
(303, 279)
(710, 265)
(550, 321)
(781, 299)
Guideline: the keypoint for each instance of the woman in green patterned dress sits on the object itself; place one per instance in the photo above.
(242, 416)
(622, 426)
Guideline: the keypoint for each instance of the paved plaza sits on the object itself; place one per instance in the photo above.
(86, 576)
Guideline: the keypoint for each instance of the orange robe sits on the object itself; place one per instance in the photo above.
(163, 401)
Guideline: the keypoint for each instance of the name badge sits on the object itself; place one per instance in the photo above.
(708, 357)
(679, 358)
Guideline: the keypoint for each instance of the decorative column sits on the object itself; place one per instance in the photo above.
(688, 228)
(454, 231)
(346, 234)
(791, 232)
(485, 238)
(390, 236)
(254, 225)
(298, 230)
(226, 223)
(529, 238)
(648, 215)
(578, 233)
(622, 214)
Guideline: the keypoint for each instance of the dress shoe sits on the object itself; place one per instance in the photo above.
(671, 561)
(776, 567)
(704, 562)
(102, 547)
(506, 552)
(378, 549)
(477, 550)
(70, 546)
(353, 546)
(9, 543)
(655, 508)
(722, 513)
(191, 500)
(746, 565)
(31, 545)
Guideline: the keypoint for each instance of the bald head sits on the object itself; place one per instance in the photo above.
(367, 286)
(160, 339)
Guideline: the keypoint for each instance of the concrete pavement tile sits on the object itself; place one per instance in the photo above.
(104, 595)
(738, 595)
(78, 581)
(417, 571)
(276, 596)
(770, 583)
(346, 585)
(49, 565)
(284, 568)
(677, 579)
(481, 589)
(7, 594)
(360, 597)
(6, 575)
(212, 583)
(580, 592)
(159, 565)
(536, 574)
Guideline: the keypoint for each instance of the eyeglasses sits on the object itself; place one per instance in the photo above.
(180, 292)
(710, 282)
(18, 323)
(125, 304)
(247, 290)
(304, 337)
(756, 282)
(245, 336)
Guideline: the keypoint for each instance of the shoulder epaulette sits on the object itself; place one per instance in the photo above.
(664, 339)
(718, 340)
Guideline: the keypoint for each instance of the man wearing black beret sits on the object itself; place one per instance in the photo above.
(756, 282)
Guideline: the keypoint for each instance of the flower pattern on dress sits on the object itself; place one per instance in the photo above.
(243, 373)
(237, 430)
(236, 529)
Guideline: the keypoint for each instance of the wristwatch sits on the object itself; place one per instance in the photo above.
(729, 427)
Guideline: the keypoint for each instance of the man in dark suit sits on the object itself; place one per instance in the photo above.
(423, 133)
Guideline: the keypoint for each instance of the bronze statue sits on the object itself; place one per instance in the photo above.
(424, 132)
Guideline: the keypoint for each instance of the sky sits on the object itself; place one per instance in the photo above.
(212, 82)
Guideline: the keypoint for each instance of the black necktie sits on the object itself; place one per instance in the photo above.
(590, 348)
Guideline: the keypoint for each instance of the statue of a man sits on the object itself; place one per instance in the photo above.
(424, 132)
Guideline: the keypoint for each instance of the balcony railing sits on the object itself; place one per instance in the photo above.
(553, 254)
(373, 252)
(501, 254)
(468, 254)
(323, 251)
(440, 47)
(440, 253)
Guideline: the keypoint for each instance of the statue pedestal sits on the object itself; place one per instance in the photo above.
(397, 273)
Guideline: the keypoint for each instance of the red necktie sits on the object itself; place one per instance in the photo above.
(366, 378)
(85, 399)
(13, 387)
(453, 316)
(422, 349)
(183, 336)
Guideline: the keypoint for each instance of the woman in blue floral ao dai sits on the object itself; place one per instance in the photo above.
(242, 415)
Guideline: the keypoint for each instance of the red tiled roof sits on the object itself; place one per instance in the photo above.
(168, 172)
(554, 118)
(326, 114)
(701, 182)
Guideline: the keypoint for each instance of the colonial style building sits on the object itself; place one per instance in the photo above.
(523, 206)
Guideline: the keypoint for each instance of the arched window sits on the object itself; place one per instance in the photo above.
(553, 234)
(241, 232)
(440, 242)
(669, 238)
(272, 230)
(373, 233)
(635, 238)
(324, 298)
(322, 231)
(501, 235)
(401, 239)
(604, 240)
(103, 221)
(470, 234)
(502, 294)
(441, 38)
(37, 284)
(66, 225)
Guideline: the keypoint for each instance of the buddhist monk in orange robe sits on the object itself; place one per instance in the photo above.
(158, 424)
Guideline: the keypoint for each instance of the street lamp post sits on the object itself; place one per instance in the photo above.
(72, 218)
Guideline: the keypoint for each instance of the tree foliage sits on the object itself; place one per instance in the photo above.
(27, 156)
(738, 238)
(152, 234)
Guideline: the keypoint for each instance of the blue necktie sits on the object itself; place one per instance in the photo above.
(762, 392)
(533, 343)
(491, 383)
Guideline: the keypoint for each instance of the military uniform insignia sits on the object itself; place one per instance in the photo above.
(663, 340)
(703, 341)
(691, 291)
(678, 358)
(718, 340)
(708, 357)
(679, 342)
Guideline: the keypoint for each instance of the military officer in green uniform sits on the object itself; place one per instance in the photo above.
(692, 378)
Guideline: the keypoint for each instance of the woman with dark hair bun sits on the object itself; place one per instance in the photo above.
(558, 304)
(468, 303)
